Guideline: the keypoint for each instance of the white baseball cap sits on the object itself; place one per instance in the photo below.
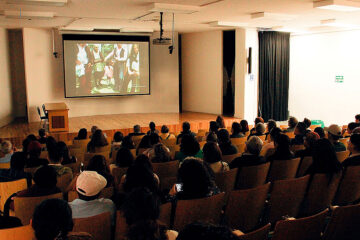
(90, 183)
(334, 130)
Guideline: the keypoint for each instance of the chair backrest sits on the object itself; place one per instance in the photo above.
(304, 166)
(165, 214)
(133, 152)
(5, 165)
(283, 169)
(344, 224)
(81, 143)
(245, 207)
(286, 197)
(25, 206)
(252, 176)
(320, 194)
(17, 233)
(9, 188)
(202, 144)
(78, 153)
(166, 170)
(344, 141)
(341, 156)
(169, 142)
(241, 148)
(263, 138)
(349, 188)
(118, 173)
(225, 181)
(75, 167)
(31, 170)
(137, 140)
(167, 182)
(64, 181)
(230, 158)
(106, 148)
(121, 228)
(201, 132)
(88, 156)
(238, 141)
(203, 209)
(259, 234)
(295, 148)
(308, 228)
(44, 154)
(290, 134)
(98, 226)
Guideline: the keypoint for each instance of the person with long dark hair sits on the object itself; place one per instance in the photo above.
(128, 142)
(309, 142)
(244, 127)
(189, 147)
(124, 158)
(236, 130)
(282, 148)
(213, 156)
(98, 164)
(64, 154)
(270, 125)
(225, 144)
(220, 121)
(144, 144)
(133, 71)
(354, 148)
(141, 210)
(82, 134)
(160, 154)
(97, 140)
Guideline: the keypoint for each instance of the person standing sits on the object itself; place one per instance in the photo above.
(83, 68)
(120, 55)
(133, 70)
(98, 64)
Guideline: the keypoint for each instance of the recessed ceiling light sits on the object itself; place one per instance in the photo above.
(136, 30)
(227, 24)
(173, 8)
(334, 23)
(28, 14)
(57, 3)
(273, 16)
(337, 5)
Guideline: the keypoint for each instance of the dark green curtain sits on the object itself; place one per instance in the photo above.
(274, 58)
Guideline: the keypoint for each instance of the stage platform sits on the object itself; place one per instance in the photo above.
(18, 130)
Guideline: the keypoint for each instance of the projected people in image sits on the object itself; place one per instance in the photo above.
(133, 71)
(119, 55)
(99, 65)
(83, 68)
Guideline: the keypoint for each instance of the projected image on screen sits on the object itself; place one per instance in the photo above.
(97, 69)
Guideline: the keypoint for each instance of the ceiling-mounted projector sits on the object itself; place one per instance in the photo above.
(162, 40)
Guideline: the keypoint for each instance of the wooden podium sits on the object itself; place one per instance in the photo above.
(58, 117)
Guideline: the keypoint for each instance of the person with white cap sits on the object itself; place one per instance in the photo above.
(334, 134)
(88, 186)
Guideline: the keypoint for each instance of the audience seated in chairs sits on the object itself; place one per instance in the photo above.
(97, 140)
(154, 139)
(7, 150)
(354, 148)
(42, 136)
(213, 127)
(137, 131)
(141, 211)
(82, 134)
(64, 154)
(299, 132)
(236, 130)
(292, 122)
(211, 137)
(160, 154)
(220, 121)
(357, 118)
(98, 164)
(270, 146)
(244, 127)
(282, 148)
(310, 140)
(128, 142)
(350, 128)
(34, 160)
(16, 171)
(165, 135)
(195, 179)
(124, 158)
(54, 157)
(251, 155)
(206, 231)
(213, 156)
(324, 159)
(45, 179)
(117, 140)
(225, 144)
(88, 186)
(257, 120)
(320, 131)
(185, 131)
(144, 144)
(189, 147)
(270, 125)
(259, 130)
(307, 124)
(334, 134)
(152, 129)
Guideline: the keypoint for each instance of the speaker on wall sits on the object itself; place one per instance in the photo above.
(249, 60)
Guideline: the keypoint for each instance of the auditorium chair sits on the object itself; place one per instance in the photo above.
(88, 156)
(5, 165)
(64, 181)
(283, 169)
(78, 153)
(106, 148)
(320, 194)
(312, 127)
(31, 170)
(81, 143)
(75, 167)
(117, 174)
(283, 127)
(9, 188)
(121, 227)
(169, 142)
(308, 228)
(202, 143)
(305, 163)
(238, 141)
(290, 134)
(295, 148)
(166, 170)
(17, 233)
(245, 207)
(42, 118)
(259, 234)
(349, 187)
(25, 206)
(344, 224)
(286, 197)
(241, 148)
(165, 214)
(137, 140)
(263, 138)
(252, 176)
(203, 209)
(201, 132)
(98, 226)
(44, 154)
(225, 181)
(344, 141)
(230, 158)
(341, 156)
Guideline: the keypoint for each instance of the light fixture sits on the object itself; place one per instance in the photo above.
(28, 15)
(56, 3)
(227, 24)
(136, 30)
(272, 16)
(333, 23)
(173, 8)
(337, 5)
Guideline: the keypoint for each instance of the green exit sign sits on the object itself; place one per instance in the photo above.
(339, 79)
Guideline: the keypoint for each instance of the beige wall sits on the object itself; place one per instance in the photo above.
(45, 82)
(202, 74)
(6, 110)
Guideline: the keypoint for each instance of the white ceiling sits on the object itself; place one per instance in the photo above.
(116, 14)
